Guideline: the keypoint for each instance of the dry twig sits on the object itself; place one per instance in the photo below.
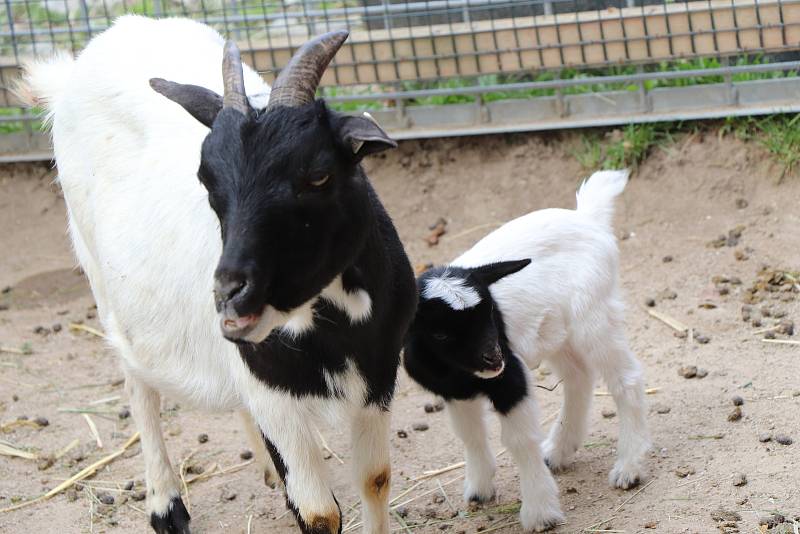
(93, 430)
(87, 329)
(669, 321)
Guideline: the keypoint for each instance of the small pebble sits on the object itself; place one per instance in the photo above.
(56, 327)
(783, 439)
(42, 421)
(735, 415)
(702, 373)
(124, 413)
(668, 294)
(684, 471)
(246, 454)
(688, 371)
(195, 469)
(650, 302)
(438, 499)
(769, 335)
(739, 479)
(128, 485)
(402, 434)
(402, 511)
(228, 495)
(608, 414)
(786, 327)
(420, 427)
(702, 338)
(737, 400)
(15, 397)
(202, 438)
(741, 203)
(139, 496)
(105, 498)
(757, 323)
(765, 437)
(662, 409)
(42, 331)
(667, 259)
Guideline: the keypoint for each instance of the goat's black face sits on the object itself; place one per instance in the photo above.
(456, 320)
(293, 206)
(293, 203)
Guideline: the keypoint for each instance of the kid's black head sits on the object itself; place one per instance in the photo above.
(456, 320)
(286, 184)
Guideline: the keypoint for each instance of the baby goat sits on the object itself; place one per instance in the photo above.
(194, 205)
(543, 286)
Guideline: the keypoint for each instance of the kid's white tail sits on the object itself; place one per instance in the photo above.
(596, 194)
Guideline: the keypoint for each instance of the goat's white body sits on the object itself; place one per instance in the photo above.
(145, 235)
(121, 148)
(565, 307)
(571, 281)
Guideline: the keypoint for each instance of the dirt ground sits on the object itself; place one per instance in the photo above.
(681, 199)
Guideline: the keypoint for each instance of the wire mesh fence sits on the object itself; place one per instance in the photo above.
(507, 63)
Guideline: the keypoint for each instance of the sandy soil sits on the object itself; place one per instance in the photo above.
(678, 202)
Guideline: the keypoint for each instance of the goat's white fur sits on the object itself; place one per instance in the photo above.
(454, 291)
(126, 153)
(565, 307)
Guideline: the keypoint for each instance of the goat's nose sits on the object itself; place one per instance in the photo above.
(228, 285)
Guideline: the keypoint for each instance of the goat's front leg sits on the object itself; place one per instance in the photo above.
(286, 423)
(468, 418)
(168, 515)
(522, 436)
(371, 470)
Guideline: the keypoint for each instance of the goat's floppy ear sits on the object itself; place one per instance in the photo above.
(491, 273)
(363, 135)
(201, 103)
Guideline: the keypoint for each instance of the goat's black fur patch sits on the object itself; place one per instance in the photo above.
(445, 347)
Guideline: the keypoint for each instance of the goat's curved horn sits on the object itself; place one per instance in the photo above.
(233, 79)
(297, 83)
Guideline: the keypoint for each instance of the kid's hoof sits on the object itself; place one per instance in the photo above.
(624, 478)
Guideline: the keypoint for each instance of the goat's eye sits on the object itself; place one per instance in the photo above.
(322, 181)
(439, 336)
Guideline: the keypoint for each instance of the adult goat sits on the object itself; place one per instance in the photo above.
(309, 279)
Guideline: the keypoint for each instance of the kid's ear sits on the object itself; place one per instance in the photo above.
(491, 273)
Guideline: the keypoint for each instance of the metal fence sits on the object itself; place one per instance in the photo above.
(456, 67)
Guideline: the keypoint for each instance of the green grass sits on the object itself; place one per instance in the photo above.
(630, 146)
(626, 148)
(778, 134)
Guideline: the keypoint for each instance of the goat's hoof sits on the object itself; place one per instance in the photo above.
(540, 518)
(271, 480)
(479, 497)
(174, 521)
(624, 477)
(554, 456)
(555, 466)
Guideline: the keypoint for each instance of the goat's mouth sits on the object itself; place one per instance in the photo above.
(236, 328)
(494, 364)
